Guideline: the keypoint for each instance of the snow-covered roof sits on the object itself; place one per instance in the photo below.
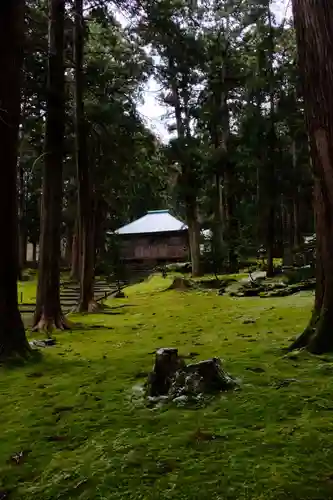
(155, 221)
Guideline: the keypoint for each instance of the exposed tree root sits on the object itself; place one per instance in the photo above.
(47, 325)
(93, 307)
(304, 338)
(317, 338)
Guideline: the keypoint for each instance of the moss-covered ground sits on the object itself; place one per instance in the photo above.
(83, 434)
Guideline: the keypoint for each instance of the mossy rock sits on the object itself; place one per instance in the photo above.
(180, 283)
(299, 274)
(216, 284)
(179, 267)
(290, 290)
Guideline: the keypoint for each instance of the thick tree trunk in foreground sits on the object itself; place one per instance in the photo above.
(12, 335)
(86, 217)
(48, 314)
(313, 22)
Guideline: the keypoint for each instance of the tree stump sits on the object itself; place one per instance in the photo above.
(213, 377)
(167, 363)
(171, 377)
(180, 284)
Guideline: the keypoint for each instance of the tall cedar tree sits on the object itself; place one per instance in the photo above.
(314, 33)
(12, 334)
(48, 314)
(85, 205)
(187, 178)
(270, 170)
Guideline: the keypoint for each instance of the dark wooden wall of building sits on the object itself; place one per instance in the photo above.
(166, 247)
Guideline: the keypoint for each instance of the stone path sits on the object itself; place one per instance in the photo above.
(70, 294)
(70, 291)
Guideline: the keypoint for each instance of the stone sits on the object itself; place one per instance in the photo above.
(181, 400)
(43, 343)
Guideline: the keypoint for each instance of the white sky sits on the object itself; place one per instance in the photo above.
(153, 112)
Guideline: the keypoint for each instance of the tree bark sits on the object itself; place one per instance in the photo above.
(48, 314)
(13, 341)
(313, 23)
(217, 241)
(86, 217)
(100, 229)
(296, 196)
(287, 218)
(188, 188)
(270, 186)
(34, 251)
(68, 245)
(220, 134)
(75, 267)
(194, 236)
(231, 221)
(22, 240)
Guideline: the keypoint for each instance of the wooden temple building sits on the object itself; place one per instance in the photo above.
(157, 237)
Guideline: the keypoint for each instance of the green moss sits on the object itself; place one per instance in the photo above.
(83, 434)
(26, 291)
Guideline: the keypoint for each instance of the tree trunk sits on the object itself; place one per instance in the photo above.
(86, 217)
(188, 180)
(12, 335)
(296, 195)
(287, 218)
(297, 237)
(48, 314)
(68, 245)
(75, 262)
(231, 221)
(100, 229)
(22, 240)
(220, 134)
(218, 239)
(270, 186)
(194, 236)
(34, 251)
(313, 23)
